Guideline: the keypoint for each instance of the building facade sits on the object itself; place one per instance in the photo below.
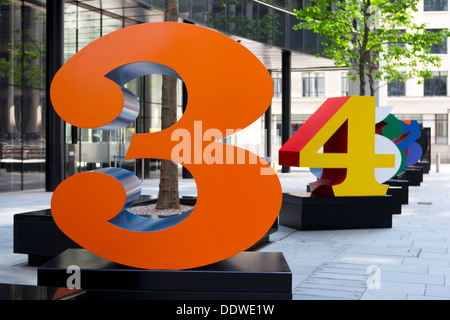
(38, 150)
(428, 102)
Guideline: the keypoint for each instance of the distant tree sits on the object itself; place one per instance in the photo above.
(24, 64)
(376, 39)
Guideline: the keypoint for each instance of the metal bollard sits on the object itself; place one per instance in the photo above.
(438, 161)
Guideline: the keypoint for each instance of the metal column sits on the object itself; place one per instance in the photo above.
(55, 133)
(268, 133)
(286, 101)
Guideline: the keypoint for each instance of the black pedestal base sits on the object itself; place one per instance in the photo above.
(413, 175)
(247, 275)
(396, 193)
(404, 184)
(37, 235)
(425, 165)
(27, 292)
(302, 211)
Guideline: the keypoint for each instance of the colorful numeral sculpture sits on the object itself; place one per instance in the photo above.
(403, 133)
(392, 128)
(355, 160)
(228, 89)
(407, 141)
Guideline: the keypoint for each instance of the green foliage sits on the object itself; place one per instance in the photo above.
(378, 38)
(24, 66)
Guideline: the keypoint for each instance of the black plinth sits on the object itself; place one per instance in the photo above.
(302, 211)
(266, 237)
(37, 235)
(247, 275)
(28, 292)
(396, 193)
(425, 165)
(413, 175)
(404, 184)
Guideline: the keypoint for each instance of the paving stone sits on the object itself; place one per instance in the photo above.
(378, 295)
(428, 262)
(395, 287)
(335, 294)
(412, 277)
(384, 250)
(316, 297)
(437, 291)
(419, 269)
(435, 255)
(418, 297)
(439, 270)
(393, 243)
(370, 259)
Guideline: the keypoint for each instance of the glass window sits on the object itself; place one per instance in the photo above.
(281, 3)
(295, 4)
(268, 31)
(184, 8)
(250, 23)
(277, 84)
(442, 129)
(199, 10)
(280, 24)
(438, 123)
(313, 84)
(439, 48)
(437, 85)
(435, 5)
(310, 41)
(88, 26)
(84, 23)
(110, 24)
(216, 15)
(22, 95)
(295, 36)
(234, 17)
(396, 88)
(418, 117)
(297, 120)
(344, 84)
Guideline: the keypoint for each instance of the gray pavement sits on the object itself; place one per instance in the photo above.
(410, 261)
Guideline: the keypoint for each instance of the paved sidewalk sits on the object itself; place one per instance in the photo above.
(411, 260)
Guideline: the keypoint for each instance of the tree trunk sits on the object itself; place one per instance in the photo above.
(363, 50)
(171, 10)
(372, 85)
(362, 78)
(168, 196)
(370, 76)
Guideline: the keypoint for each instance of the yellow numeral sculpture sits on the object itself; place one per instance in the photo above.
(340, 138)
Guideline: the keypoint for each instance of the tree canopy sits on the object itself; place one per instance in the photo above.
(376, 39)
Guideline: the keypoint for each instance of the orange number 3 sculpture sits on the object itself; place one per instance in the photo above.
(228, 89)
